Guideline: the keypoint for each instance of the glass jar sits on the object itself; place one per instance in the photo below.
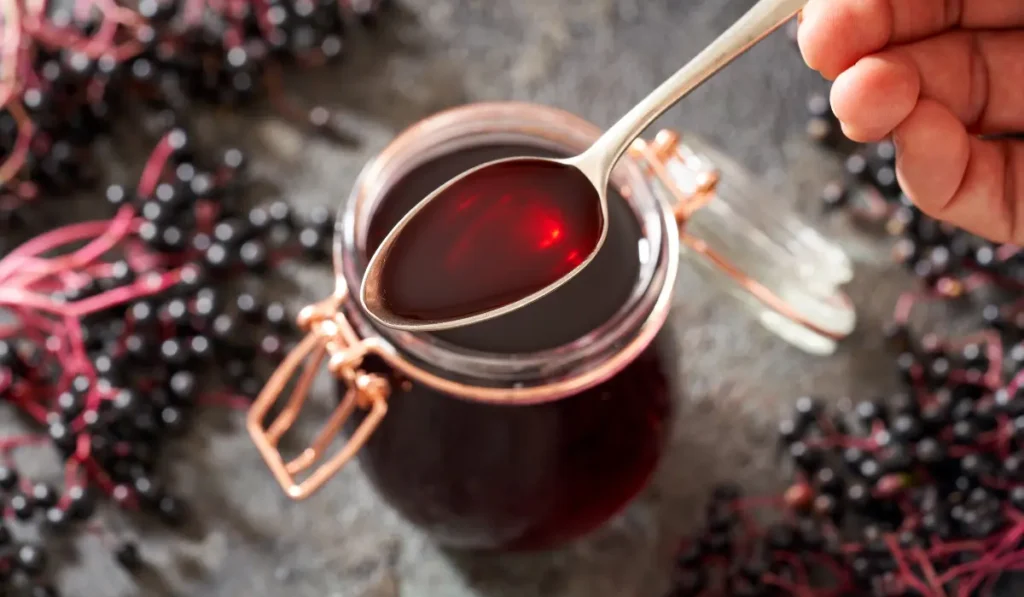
(531, 429)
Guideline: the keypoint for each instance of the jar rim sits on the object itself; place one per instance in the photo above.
(477, 124)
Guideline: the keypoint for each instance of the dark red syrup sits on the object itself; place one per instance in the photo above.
(494, 476)
(493, 237)
(581, 305)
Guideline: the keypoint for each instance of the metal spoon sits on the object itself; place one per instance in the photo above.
(595, 163)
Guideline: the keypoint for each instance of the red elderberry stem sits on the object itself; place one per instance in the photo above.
(226, 400)
(905, 574)
(145, 286)
(154, 167)
(785, 585)
(25, 257)
(1015, 383)
(929, 571)
(968, 587)
(1005, 252)
(34, 410)
(904, 307)
(100, 478)
(10, 443)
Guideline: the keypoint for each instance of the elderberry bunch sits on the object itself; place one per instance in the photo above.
(918, 494)
(72, 72)
(119, 342)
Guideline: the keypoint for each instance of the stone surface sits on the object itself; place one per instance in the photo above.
(595, 58)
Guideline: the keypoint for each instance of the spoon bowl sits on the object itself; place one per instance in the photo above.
(509, 232)
(546, 239)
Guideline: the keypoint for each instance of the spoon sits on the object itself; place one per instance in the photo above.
(509, 232)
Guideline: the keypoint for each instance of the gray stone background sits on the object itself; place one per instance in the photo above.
(595, 58)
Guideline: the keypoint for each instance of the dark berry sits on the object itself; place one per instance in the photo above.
(857, 166)
(128, 556)
(22, 506)
(31, 560)
(8, 478)
(44, 495)
(807, 408)
(80, 503)
(234, 159)
(253, 255)
(57, 519)
(930, 451)
(171, 510)
(1017, 497)
(869, 412)
(276, 316)
(806, 458)
(907, 428)
(818, 105)
(965, 433)
(870, 469)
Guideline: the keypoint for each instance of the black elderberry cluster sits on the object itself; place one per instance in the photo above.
(917, 494)
(176, 60)
(153, 360)
(937, 253)
(875, 485)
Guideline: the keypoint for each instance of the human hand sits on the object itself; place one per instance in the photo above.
(934, 74)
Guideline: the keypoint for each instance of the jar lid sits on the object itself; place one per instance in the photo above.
(782, 270)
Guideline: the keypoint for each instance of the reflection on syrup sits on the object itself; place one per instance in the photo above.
(491, 238)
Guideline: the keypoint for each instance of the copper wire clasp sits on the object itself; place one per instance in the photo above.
(693, 188)
(328, 334)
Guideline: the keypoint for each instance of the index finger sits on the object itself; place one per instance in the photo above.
(834, 34)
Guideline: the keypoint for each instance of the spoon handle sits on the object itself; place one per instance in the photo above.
(763, 18)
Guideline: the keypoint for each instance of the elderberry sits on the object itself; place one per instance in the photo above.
(927, 471)
(178, 58)
(153, 359)
(128, 556)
